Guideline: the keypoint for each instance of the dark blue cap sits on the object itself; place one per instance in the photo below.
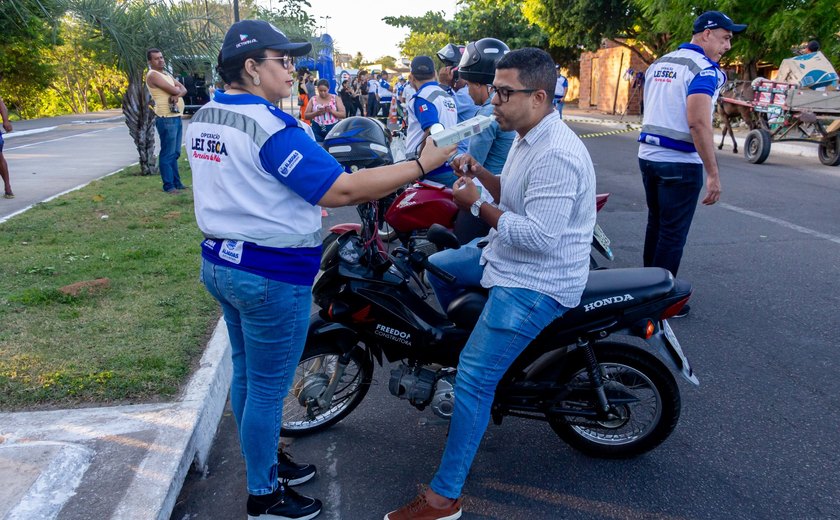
(249, 35)
(422, 65)
(716, 20)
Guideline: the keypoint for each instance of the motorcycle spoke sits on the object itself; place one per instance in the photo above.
(297, 415)
(635, 420)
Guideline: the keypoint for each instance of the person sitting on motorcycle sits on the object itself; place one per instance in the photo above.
(259, 180)
(450, 81)
(430, 105)
(490, 147)
(535, 263)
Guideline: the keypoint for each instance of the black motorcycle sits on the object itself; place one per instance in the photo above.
(601, 393)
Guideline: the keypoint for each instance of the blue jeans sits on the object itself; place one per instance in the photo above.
(671, 190)
(372, 105)
(461, 263)
(559, 106)
(321, 131)
(169, 131)
(511, 319)
(267, 323)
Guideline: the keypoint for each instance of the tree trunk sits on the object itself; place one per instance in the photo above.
(139, 118)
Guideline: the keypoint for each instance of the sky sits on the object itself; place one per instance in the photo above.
(357, 26)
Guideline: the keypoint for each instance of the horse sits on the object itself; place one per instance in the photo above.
(742, 91)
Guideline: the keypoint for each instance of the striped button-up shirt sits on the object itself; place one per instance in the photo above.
(548, 197)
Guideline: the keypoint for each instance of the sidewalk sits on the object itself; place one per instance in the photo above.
(129, 462)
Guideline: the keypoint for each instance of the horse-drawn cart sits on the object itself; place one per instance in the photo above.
(788, 112)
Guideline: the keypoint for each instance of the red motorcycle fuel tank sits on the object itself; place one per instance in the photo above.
(420, 206)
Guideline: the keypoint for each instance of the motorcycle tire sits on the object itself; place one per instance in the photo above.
(312, 375)
(643, 425)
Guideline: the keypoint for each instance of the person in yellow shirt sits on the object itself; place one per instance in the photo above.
(167, 93)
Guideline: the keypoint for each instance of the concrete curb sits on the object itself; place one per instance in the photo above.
(139, 455)
(201, 409)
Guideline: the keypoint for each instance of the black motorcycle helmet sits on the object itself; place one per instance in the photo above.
(478, 63)
(359, 142)
(450, 54)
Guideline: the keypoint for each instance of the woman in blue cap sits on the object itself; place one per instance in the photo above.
(259, 181)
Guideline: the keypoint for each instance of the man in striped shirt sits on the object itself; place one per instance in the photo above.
(535, 263)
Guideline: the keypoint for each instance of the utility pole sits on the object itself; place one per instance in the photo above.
(235, 10)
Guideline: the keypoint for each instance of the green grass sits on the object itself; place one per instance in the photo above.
(137, 340)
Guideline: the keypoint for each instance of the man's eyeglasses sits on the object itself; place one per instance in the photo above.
(504, 93)
(287, 62)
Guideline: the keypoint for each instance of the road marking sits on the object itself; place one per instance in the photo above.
(783, 223)
(613, 132)
(80, 186)
(334, 488)
(55, 485)
(28, 132)
(58, 139)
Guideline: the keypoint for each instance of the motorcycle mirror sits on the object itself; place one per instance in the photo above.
(442, 237)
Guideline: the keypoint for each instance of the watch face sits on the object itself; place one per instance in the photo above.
(475, 209)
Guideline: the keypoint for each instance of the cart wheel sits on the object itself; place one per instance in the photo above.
(757, 146)
(829, 151)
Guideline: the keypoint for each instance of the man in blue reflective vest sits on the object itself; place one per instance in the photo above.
(681, 89)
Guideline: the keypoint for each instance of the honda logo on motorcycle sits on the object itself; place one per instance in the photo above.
(393, 334)
(607, 301)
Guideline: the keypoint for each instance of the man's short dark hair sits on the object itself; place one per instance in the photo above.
(423, 77)
(150, 52)
(813, 46)
(535, 67)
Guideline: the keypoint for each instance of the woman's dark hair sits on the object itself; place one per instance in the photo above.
(323, 83)
(231, 70)
(535, 67)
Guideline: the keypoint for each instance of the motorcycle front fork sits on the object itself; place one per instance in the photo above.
(325, 399)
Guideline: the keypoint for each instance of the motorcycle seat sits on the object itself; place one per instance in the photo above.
(466, 308)
(611, 290)
(607, 291)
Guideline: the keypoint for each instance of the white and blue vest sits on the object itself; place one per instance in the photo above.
(668, 83)
(257, 178)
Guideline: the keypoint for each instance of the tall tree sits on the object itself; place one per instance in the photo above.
(24, 66)
(431, 22)
(85, 76)
(424, 44)
(583, 25)
(128, 28)
(357, 61)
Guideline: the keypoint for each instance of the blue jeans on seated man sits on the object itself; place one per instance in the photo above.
(169, 131)
(512, 318)
(461, 263)
(671, 191)
(267, 323)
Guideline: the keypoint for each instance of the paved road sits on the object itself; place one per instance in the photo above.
(50, 156)
(757, 440)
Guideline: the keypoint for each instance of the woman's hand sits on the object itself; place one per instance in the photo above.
(433, 156)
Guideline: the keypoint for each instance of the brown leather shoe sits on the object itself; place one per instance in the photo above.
(420, 509)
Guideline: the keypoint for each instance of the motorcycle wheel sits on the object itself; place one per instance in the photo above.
(301, 414)
(641, 425)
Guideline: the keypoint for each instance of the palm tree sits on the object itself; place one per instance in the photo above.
(191, 28)
(129, 28)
